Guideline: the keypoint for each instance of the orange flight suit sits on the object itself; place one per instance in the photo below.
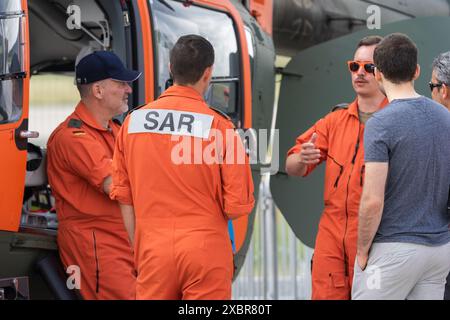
(182, 246)
(91, 233)
(340, 140)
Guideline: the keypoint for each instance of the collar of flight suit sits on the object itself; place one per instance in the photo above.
(353, 107)
(184, 91)
(86, 116)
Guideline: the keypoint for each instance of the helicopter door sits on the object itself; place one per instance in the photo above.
(14, 84)
(316, 80)
(231, 89)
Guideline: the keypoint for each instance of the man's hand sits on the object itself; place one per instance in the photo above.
(309, 153)
(361, 260)
(297, 164)
(129, 220)
(107, 185)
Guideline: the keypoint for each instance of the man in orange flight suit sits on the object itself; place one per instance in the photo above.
(91, 232)
(338, 140)
(178, 183)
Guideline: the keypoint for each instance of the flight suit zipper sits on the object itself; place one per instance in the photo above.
(97, 270)
(346, 226)
(346, 202)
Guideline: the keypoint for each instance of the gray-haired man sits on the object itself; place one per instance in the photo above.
(440, 92)
(440, 79)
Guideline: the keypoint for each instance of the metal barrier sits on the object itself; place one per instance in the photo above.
(277, 265)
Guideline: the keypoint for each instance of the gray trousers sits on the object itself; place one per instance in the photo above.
(398, 271)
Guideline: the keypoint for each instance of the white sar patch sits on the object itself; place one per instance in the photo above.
(172, 122)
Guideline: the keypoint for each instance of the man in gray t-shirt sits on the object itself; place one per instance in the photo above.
(411, 136)
(403, 235)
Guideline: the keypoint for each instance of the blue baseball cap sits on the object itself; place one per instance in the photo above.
(101, 65)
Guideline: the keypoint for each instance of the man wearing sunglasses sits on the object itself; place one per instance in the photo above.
(440, 92)
(440, 79)
(337, 139)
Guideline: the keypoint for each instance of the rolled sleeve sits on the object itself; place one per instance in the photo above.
(120, 188)
(237, 182)
(86, 157)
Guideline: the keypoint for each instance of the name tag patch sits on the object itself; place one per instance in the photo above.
(171, 122)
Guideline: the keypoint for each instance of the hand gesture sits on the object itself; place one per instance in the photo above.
(309, 154)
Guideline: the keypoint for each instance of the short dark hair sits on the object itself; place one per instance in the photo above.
(189, 58)
(369, 41)
(84, 89)
(396, 58)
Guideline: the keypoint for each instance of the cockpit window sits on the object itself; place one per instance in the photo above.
(11, 61)
(172, 20)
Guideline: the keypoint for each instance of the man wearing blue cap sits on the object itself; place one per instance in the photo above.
(91, 233)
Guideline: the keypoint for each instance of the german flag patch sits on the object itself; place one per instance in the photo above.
(78, 133)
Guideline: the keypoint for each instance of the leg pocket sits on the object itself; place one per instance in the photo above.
(339, 288)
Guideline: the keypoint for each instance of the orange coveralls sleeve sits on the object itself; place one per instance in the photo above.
(83, 155)
(120, 188)
(237, 181)
(321, 128)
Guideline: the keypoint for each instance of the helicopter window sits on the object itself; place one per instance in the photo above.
(172, 19)
(251, 49)
(11, 62)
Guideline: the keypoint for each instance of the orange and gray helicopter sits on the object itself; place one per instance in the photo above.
(46, 36)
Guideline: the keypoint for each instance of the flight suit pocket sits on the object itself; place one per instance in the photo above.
(338, 287)
(333, 178)
(338, 280)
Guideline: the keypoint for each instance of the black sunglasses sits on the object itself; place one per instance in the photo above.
(435, 85)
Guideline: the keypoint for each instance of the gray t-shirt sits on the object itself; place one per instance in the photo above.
(413, 136)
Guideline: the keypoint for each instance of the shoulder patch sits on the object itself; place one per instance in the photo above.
(220, 112)
(75, 123)
(339, 106)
